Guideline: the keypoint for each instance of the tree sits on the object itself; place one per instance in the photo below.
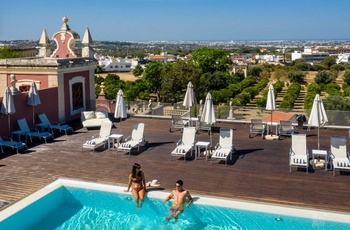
(175, 77)
(256, 72)
(317, 67)
(296, 76)
(328, 62)
(8, 52)
(112, 85)
(99, 69)
(337, 67)
(172, 82)
(215, 81)
(303, 66)
(136, 90)
(347, 77)
(210, 60)
(137, 71)
(324, 77)
(337, 103)
(153, 76)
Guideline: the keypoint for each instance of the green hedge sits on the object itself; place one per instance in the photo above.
(290, 96)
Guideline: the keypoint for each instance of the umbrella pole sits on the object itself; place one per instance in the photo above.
(33, 117)
(9, 123)
(210, 138)
(271, 124)
(121, 124)
(318, 138)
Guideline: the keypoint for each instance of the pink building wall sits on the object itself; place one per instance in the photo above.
(48, 97)
(43, 78)
(62, 50)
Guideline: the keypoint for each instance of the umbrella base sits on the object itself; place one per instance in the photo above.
(271, 137)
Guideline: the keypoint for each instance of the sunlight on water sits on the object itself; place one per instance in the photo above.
(90, 209)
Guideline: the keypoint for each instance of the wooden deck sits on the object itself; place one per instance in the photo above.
(259, 170)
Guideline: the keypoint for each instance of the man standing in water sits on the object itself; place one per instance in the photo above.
(179, 195)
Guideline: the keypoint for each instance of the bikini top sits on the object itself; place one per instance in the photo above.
(136, 180)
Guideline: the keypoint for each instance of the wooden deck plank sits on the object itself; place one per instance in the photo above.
(259, 170)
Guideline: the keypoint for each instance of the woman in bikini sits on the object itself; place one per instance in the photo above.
(138, 185)
(179, 195)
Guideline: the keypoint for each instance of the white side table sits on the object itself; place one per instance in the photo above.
(198, 146)
(320, 153)
(269, 127)
(113, 139)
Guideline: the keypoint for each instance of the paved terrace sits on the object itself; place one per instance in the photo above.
(259, 170)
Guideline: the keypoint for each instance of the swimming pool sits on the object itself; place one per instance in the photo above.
(69, 204)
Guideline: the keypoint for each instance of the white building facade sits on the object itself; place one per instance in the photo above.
(110, 64)
(309, 55)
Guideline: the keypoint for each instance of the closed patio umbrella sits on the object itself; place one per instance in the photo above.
(271, 103)
(33, 98)
(190, 98)
(120, 109)
(208, 115)
(318, 116)
(8, 106)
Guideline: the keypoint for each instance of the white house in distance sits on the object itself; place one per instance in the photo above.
(268, 58)
(309, 55)
(111, 64)
(343, 58)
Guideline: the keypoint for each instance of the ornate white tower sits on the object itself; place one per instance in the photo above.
(87, 51)
(65, 40)
(44, 41)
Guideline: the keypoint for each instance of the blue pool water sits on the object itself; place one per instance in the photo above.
(78, 208)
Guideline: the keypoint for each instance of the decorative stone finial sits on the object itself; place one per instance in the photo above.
(65, 19)
(102, 88)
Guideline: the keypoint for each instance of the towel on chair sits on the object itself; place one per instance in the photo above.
(220, 154)
(90, 142)
(180, 150)
(126, 145)
(343, 164)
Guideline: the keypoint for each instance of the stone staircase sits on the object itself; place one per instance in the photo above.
(280, 96)
(252, 103)
(299, 102)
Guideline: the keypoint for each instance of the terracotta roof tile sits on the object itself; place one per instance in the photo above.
(278, 115)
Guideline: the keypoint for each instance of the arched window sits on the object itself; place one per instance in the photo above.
(77, 95)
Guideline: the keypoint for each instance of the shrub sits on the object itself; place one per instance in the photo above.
(324, 77)
(347, 77)
(290, 97)
(296, 76)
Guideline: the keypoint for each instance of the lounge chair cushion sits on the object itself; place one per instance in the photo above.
(90, 142)
(63, 127)
(343, 164)
(17, 143)
(220, 154)
(180, 150)
(12, 143)
(126, 145)
(89, 115)
(100, 115)
(299, 161)
(93, 118)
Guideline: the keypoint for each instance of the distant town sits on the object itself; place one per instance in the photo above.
(123, 56)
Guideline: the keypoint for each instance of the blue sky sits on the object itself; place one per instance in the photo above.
(174, 20)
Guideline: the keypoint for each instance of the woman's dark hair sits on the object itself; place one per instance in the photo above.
(134, 171)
